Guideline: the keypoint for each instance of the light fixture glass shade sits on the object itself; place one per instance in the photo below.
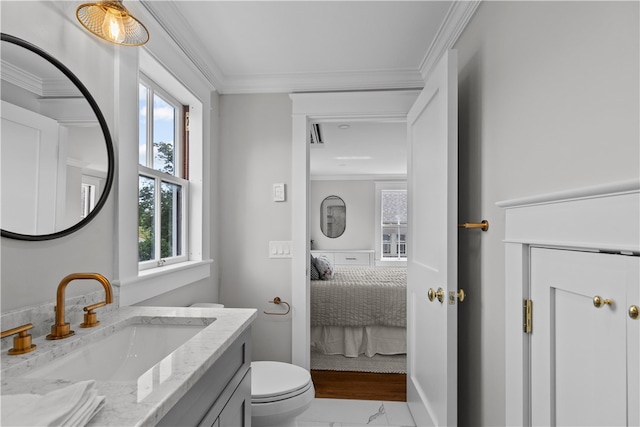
(112, 22)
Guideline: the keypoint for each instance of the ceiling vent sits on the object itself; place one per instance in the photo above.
(316, 136)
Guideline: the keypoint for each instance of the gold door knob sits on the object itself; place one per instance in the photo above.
(633, 311)
(456, 295)
(436, 294)
(598, 301)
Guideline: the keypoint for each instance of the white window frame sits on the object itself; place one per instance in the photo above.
(159, 177)
(380, 260)
(166, 67)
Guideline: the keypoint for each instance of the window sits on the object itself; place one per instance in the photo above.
(189, 204)
(162, 185)
(393, 214)
(87, 199)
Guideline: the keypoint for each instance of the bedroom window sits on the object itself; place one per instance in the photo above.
(393, 214)
(163, 187)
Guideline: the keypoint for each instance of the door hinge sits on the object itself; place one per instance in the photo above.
(527, 315)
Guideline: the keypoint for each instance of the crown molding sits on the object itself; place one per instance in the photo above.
(181, 33)
(23, 79)
(361, 177)
(454, 23)
(179, 30)
(324, 82)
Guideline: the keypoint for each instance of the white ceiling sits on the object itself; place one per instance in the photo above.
(362, 150)
(307, 46)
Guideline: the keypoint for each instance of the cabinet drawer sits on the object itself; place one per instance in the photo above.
(351, 258)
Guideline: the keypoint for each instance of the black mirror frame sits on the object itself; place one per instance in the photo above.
(321, 214)
(107, 137)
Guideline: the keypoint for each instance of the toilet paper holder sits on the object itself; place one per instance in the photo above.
(277, 301)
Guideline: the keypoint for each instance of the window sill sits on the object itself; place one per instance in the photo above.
(391, 263)
(155, 281)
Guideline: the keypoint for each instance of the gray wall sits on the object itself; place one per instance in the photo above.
(548, 99)
(31, 271)
(359, 198)
(255, 153)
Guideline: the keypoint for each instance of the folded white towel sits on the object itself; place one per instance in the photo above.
(73, 405)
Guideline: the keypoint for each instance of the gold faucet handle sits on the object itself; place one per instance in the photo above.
(22, 341)
(90, 317)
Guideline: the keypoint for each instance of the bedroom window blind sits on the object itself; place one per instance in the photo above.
(394, 224)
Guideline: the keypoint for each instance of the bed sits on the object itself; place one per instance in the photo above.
(360, 310)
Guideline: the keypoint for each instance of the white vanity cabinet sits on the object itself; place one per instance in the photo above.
(346, 258)
(222, 397)
(572, 282)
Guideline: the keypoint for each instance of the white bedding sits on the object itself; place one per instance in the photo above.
(360, 297)
(353, 341)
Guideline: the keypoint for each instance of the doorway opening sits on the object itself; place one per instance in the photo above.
(321, 117)
(358, 303)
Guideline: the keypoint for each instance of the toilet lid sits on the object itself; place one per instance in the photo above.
(271, 380)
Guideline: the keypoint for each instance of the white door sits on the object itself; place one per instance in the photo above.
(432, 353)
(584, 359)
(29, 156)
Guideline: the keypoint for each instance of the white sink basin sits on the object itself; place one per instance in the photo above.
(124, 355)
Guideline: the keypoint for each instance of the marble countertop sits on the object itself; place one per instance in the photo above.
(134, 403)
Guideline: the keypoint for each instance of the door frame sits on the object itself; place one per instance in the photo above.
(334, 106)
(603, 217)
(317, 108)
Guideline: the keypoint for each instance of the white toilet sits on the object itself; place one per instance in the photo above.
(207, 305)
(279, 393)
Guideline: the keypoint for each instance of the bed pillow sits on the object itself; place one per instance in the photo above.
(313, 270)
(325, 269)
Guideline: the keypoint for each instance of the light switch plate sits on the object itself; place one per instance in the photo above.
(279, 194)
(280, 249)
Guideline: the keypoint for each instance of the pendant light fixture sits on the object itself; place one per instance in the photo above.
(112, 22)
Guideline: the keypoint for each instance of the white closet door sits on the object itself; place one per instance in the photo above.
(579, 358)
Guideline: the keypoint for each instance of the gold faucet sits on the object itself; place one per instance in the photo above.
(22, 341)
(61, 329)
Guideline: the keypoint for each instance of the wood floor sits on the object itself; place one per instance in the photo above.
(360, 385)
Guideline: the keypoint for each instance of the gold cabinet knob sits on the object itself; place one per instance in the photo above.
(633, 311)
(439, 294)
(598, 301)
(461, 295)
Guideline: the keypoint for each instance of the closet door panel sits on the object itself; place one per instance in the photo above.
(579, 351)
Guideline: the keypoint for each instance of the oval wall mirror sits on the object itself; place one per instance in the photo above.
(333, 216)
(57, 162)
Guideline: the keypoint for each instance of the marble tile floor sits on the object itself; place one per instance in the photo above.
(355, 413)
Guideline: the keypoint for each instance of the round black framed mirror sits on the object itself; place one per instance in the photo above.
(333, 217)
(58, 160)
